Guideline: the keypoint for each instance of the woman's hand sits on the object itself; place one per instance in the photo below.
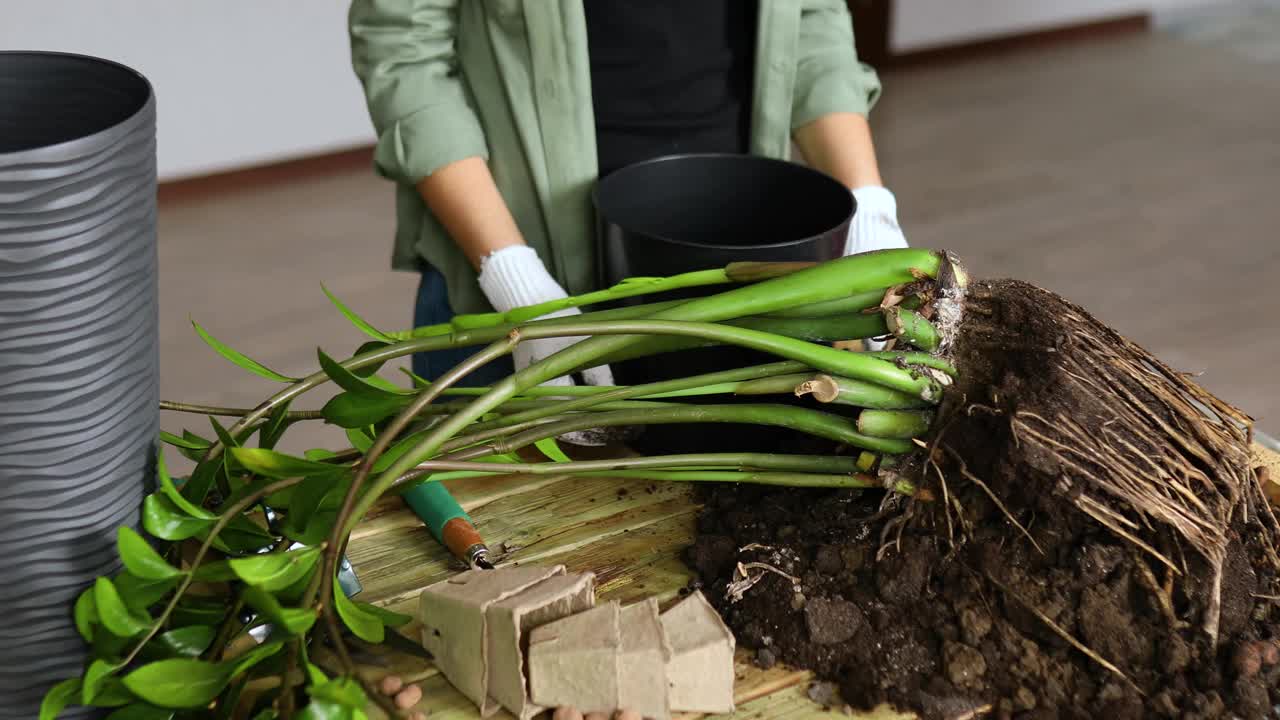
(515, 277)
(404, 696)
(875, 222)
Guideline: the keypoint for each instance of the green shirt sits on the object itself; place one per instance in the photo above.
(509, 81)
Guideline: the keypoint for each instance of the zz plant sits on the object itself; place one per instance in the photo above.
(227, 605)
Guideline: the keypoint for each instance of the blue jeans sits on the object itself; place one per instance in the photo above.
(432, 308)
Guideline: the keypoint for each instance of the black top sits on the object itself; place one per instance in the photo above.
(670, 76)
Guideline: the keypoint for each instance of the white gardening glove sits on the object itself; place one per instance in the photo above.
(515, 277)
(874, 227)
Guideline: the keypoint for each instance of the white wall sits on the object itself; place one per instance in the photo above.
(238, 82)
(920, 24)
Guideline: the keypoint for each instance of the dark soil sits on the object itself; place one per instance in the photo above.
(961, 614)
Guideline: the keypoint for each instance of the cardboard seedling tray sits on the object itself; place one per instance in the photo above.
(475, 624)
(531, 638)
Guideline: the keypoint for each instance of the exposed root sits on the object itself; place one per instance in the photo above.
(744, 579)
(1061, 632)
(1163, 597)
(964, 470)
(1128, 441)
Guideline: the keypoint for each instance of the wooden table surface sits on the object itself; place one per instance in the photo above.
(630, 533)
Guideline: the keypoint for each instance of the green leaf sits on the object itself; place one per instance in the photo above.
(242, 535)
(389, 618)
(307, 498)
(86, 614)
(364, 624)
(275, 571)
(140, 558)
(360, 439)
(139, 594)
(344, 691)
(351, 410)
(171, 491)
(141, 711)
(192, 448)
(198, 611)
(417, 380)
(188, 642)
(182, 442)
(112, 693)
(116, 618)
(229, 465)
(368, 347)
(317, 528)
(270, 432)
(179, 682)
(58, 698)
(240, 358)
(353, 383)
(217, 571)
(94, 677)
(548, 447)
(266, 714)
(202, 479)
(294, 621)
(106, 644)
(329, 710)
(162, 519)
(192, 437)
(254, 656)
(361, 324)
(316, 675)
(273, 464)
(396, 451)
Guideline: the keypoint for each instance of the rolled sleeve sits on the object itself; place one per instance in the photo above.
(829, 76)
(404, 52)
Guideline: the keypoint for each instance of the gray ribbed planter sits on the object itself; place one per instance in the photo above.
(79, 366)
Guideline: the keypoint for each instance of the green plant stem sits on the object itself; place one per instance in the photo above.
(755, 477)
(900, 424)
(831, 280)
(625, 289)
(337, 537)
(786, 479)
(855, 303)
(912, 328)
(820, 357)
(232, 412)
(287, 700)
(812, 422)
(463, 338)
(704, 461)
(921, 359)
(780, 385)
(229, 623)
(844, 391)
(661, 388)
(223, 520)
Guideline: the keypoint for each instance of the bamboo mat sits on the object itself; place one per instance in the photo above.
(630, 533)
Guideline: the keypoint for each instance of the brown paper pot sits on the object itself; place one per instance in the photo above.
(700, 671)
(603, 660)
(474, 623)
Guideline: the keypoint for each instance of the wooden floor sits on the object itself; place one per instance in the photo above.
(1137, 176)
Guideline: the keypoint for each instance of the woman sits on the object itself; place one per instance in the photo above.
(495, 118)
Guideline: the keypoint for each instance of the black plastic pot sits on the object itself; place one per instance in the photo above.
(79, 365)
(693, 212)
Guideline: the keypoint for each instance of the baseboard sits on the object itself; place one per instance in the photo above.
(1109, 27)
(187, 189)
